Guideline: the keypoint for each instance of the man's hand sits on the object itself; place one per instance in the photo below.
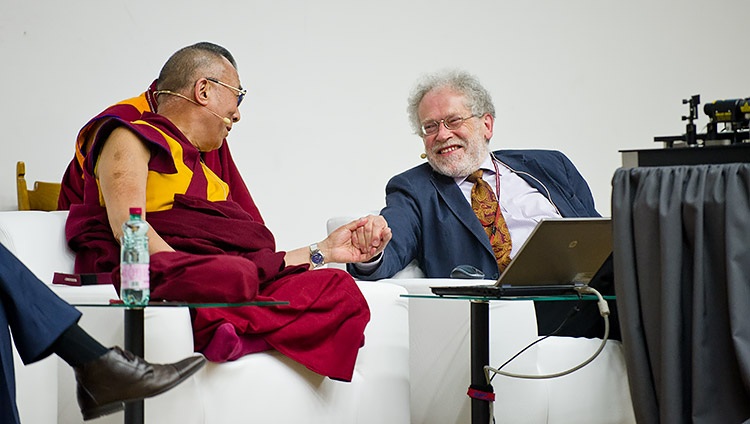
(357, 241)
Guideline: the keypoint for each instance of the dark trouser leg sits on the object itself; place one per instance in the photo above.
(8, 409)
(37, 317)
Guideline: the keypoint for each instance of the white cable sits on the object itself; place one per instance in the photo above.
(603, 311)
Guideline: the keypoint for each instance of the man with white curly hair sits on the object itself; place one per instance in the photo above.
(429, 207)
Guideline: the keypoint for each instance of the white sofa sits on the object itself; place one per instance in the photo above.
(413, 368)
(260, 388)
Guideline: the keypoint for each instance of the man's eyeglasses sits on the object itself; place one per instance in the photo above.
(450, 123)
(240, 92)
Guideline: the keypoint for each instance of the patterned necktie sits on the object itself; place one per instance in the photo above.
(485, 206)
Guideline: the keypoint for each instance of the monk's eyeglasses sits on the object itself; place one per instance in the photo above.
(240, 91)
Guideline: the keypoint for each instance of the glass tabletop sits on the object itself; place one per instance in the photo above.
(490, 298)
(116, 303)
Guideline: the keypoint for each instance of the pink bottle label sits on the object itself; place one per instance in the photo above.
(134, 276)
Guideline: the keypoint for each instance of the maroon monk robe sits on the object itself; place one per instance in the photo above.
(225, 255)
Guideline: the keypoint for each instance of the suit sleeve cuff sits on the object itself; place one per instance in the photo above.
(369, 266)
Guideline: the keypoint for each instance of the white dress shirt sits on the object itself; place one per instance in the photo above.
(521, 204)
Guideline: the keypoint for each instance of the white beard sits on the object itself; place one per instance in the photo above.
(475, 152)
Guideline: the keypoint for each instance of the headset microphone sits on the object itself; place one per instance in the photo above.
(226, 120)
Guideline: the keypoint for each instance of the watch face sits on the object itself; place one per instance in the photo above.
(317, 258)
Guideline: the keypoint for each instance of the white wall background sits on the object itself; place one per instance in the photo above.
(324, 124)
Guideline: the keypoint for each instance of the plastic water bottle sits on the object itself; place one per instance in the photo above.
(134, 260)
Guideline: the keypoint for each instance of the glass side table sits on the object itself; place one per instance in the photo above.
(480, 337)
(134, 333)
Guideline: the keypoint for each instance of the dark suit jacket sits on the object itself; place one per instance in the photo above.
(433, 223)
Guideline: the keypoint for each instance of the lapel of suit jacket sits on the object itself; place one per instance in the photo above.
(450, 193)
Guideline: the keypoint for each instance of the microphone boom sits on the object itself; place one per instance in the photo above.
(226, 120)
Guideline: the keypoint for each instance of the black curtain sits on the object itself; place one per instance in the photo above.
(682, 278)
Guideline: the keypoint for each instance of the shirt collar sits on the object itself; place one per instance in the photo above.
(486, 166)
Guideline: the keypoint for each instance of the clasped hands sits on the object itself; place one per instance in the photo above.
(357, 241)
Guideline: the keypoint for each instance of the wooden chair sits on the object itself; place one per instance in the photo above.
(43, 197)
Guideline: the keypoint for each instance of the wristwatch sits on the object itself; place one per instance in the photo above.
(316, 256)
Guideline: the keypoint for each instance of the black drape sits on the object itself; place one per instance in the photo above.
(682, 277)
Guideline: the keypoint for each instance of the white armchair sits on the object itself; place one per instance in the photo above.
(439, 363)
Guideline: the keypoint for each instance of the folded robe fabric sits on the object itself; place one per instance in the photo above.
(230, 258)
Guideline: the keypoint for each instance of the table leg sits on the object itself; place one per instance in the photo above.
(480, 356)
(134, 342)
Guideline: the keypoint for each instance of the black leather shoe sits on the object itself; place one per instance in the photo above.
(106, 383)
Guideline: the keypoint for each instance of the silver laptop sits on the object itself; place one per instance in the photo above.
(558, 256)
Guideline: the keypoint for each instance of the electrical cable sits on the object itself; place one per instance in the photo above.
(574, 310)
(603, 311)
(570, 315)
